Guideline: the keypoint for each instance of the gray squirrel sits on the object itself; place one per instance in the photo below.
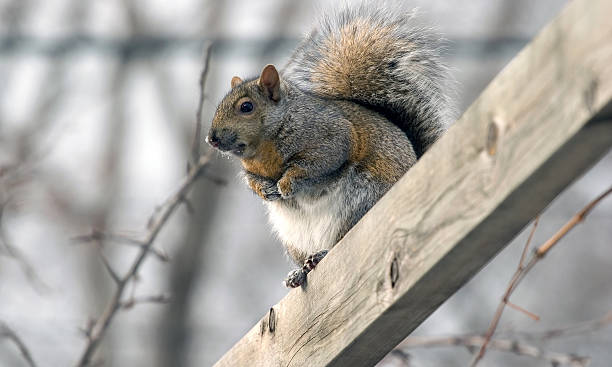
(360, 100)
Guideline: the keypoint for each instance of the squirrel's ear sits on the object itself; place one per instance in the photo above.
(235, 81)
(269, 81)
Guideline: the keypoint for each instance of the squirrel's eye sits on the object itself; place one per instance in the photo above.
(246, 107)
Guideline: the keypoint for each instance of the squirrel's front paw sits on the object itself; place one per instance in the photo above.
(285, 189)
(271, 193)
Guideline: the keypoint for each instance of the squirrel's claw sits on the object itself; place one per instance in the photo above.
(313, 260)
(271, 193)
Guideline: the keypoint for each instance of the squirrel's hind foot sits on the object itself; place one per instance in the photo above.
(297, 277)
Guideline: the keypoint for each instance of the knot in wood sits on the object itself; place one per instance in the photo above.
(394, 272)
(272, 320)
(492, 137)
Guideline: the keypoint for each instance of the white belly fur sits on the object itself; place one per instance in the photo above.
(312, 227)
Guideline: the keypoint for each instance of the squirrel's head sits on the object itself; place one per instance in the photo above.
(239, 120)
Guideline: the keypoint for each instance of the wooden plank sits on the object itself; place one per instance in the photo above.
(541, 123)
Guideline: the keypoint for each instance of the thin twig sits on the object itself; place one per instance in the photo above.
(156, 223)
(123, 239)
(473, 342)
(101, 326)
(530, 314)
(566, 331)
(109, 268)
(21, 259)
(161, 298)
(195, 145)
(161, 255)
(97, 235)
(87, 329)
(506, 296)
(523, 269)
(579, 217)
(16, 254)
(172, 203)
(529, 239)
(8, 333)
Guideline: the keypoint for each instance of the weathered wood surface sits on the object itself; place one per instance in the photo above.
(544, 120)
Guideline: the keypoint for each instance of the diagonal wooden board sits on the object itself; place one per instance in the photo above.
(543, 121)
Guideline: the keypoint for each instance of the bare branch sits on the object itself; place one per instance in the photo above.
(188, 205)
(102, 323)
(505, 297)
(113, 274)
(21, 259)
(119, 238)
(155, 224)
(529, 239)
(195, 146)
(567, 331)
(504, 345)
(518, 337)
(97, 235)
(7, 333)
(579, 217)
(160, 299)
(87, 329)
(161, 255)
(523, 269)
(530, 314)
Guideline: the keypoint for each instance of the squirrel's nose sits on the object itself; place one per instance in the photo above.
(213, 139)
(223, 139)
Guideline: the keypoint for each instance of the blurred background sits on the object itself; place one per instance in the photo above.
(97, 110)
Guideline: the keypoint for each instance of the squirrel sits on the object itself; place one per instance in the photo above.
(359, 101)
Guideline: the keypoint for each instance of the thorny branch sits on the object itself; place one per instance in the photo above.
(97, 329)
(8, 333)
(525, 267)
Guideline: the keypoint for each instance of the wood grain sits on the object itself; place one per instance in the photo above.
(543, 121)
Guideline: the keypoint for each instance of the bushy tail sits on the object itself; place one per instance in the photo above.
(379, 58)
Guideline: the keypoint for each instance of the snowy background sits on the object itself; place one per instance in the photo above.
(97, 105)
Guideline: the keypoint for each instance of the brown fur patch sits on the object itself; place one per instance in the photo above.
(267, 161)
(368, 156)
(256, 188)
(359, 143)
(351, 57)
(382, 168)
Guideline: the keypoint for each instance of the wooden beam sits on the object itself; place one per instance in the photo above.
(543, 121)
